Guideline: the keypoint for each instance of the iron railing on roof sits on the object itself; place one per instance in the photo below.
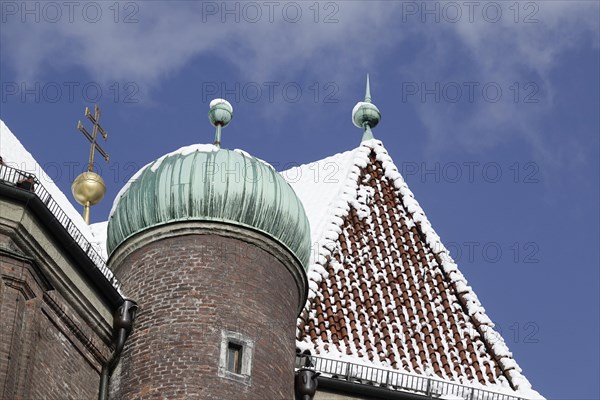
(395, 380)
(12, 176)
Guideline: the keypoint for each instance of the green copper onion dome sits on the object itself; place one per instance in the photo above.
(206, 183)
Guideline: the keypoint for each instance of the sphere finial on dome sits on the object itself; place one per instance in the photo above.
(220, 115)
(365, 114)
(88, 189)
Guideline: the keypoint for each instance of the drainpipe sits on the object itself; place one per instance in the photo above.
(306, 383)
(122, 327)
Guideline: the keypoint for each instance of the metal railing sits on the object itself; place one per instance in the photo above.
(12, 176)
(395, 380)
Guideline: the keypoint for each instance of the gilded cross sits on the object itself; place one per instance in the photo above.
(95, 119)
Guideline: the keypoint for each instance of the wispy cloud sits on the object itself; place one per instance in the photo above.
(524, 45)
(166, 35)
(519, 55)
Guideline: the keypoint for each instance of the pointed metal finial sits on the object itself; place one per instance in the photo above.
(220, 115)
(365, 114)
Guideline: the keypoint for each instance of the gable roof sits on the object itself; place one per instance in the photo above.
(383, 289)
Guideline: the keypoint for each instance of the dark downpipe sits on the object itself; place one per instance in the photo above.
(122, 327)
(306, 384)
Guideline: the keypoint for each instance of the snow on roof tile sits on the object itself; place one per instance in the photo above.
(383, 289)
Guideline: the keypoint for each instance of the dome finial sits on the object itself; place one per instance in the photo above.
(365, 114)
(220, 115)
(368, 91)
(89, 188)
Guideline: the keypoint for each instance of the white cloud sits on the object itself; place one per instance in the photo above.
(169, 35)
(505, 53)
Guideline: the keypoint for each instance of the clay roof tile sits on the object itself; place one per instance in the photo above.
(392, 273)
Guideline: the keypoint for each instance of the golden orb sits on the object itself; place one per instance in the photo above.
(88, 188)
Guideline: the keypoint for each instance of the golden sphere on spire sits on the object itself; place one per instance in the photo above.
(88, 188)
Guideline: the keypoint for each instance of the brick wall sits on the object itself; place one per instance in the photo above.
(190, 288)
(47, 351)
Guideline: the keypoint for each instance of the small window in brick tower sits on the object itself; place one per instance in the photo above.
(234, 357)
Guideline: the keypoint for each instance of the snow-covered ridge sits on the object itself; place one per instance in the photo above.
(16, 156)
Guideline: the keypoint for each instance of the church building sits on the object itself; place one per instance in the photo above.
(217, 277)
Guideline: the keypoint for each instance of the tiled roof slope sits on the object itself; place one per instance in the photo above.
(383, 288)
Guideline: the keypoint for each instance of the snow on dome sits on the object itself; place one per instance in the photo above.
(205, 183)
(246, 154)
(221, 101)
(184, 151)
(356, 107)
(154, 165)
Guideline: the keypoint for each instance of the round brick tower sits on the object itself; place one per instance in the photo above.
(212, 244)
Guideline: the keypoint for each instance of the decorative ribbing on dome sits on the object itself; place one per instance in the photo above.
(217, 185)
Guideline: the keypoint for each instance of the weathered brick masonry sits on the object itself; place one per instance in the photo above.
(190, 288)
(47, 351)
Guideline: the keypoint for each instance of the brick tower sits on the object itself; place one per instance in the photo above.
(213, 245)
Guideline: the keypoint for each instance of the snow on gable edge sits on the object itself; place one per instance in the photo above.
(465, 293)
(323, 247)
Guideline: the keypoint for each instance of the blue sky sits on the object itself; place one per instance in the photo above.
(490, 110)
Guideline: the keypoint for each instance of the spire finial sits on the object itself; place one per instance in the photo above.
(365, 114)
(368, 91)
(220, 115)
